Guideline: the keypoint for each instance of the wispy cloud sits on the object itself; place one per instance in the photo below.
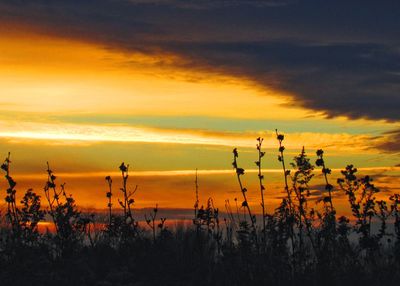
(68, 133)
(392, 142)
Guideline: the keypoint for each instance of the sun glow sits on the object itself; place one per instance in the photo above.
(59, 75)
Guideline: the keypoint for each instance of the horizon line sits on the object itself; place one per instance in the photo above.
(185, 172)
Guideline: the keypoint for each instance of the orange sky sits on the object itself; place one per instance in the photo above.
(86, 107)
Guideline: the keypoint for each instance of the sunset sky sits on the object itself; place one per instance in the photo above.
(169, 86)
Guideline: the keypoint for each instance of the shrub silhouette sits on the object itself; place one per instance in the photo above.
(70, 225)
(23, 219)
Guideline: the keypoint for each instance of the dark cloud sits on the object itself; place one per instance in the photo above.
(392, 144)
(339, 57)
(212, 4)
(357, 80)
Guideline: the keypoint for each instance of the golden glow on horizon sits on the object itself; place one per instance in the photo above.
(175, 189)
(174, 173)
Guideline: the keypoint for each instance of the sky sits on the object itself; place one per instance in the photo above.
(169, 86)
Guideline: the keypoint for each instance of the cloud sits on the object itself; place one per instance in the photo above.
(392, 142)
(355, 80)
(212, 4)
(328, 57)
(78, 134)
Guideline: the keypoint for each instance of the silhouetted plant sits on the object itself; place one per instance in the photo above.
(129, 225)
(208, 216)
(196, 203)
(326, 237)
(258, 163)
(71, 227)
(285, 211)
(300, 183)
(24, 220)
(207, 219)
(361, 195)
(286, 173)
(231, 225)
(122, 227)
(12, 210)
(109, 205)
(243, 190)
(395, 210)
(151, 222)
(30, 216)
(320, 162)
